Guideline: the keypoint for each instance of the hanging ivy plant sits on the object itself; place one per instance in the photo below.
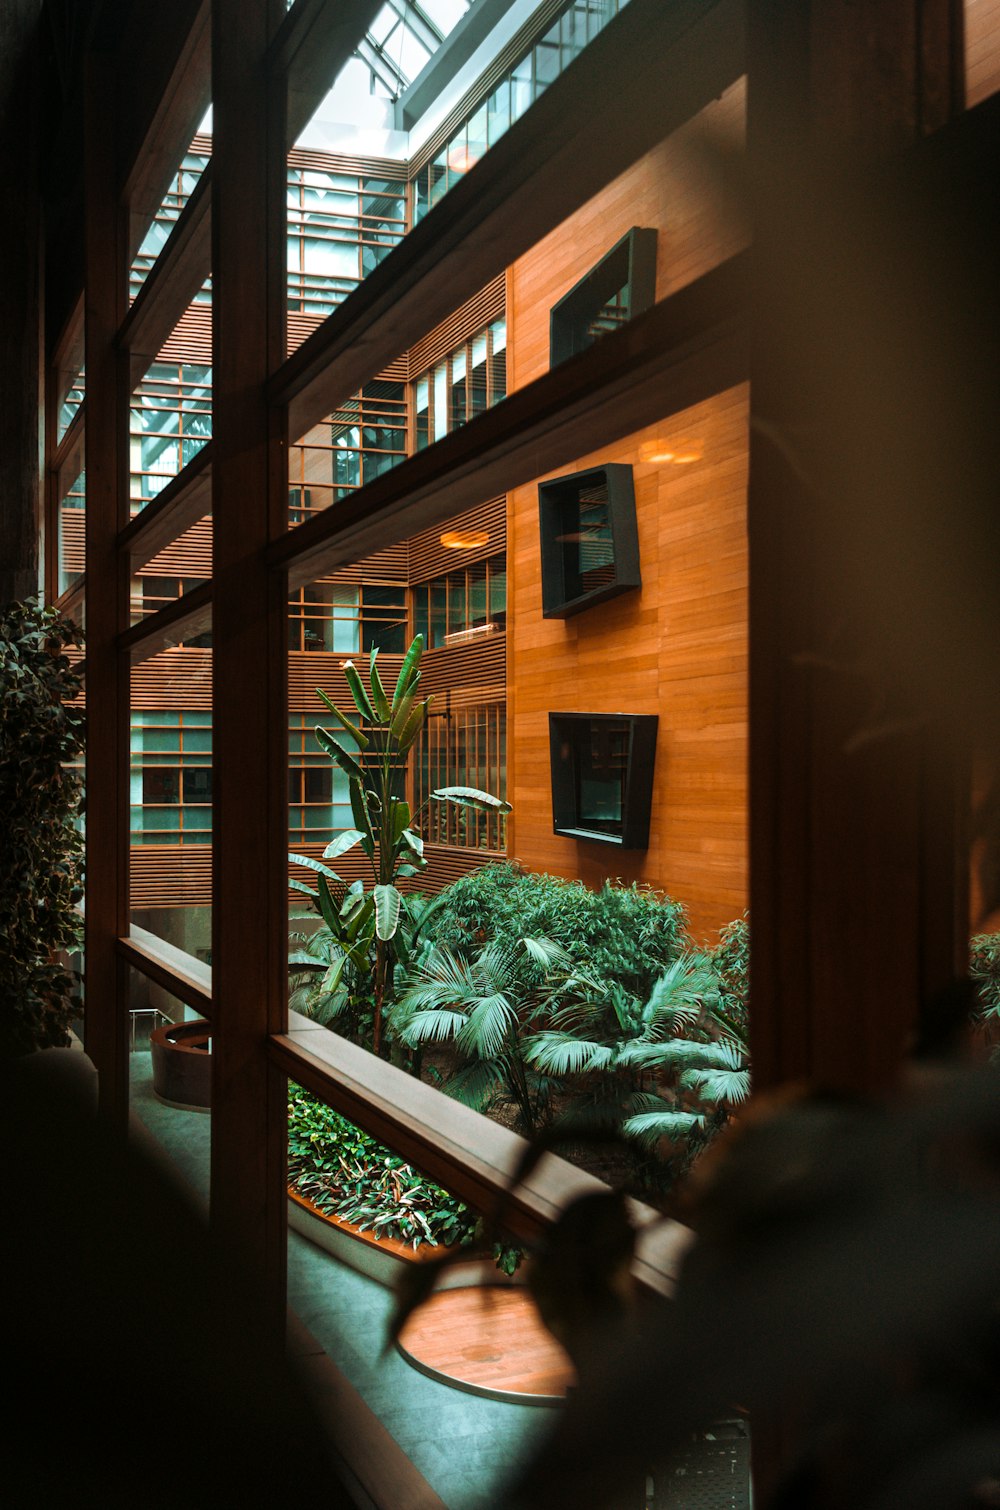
(40, 798)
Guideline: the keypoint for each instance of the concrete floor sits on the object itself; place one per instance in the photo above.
(463, 1444)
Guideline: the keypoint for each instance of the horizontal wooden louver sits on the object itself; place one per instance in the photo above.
(183, 872)
(191, 338)
(479, 669)
(180, 678)
(429, 558)
(470, 318)
(71, 526)
(335, 162)
(190, 555)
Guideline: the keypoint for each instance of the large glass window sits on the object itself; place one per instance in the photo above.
(171, 777)
(578, 23)
(470, 380)
(340, 226)
(319, 798)
(463, 746)
(364, 438)
(171, 419)
(348, 617)
(465, 605)
(179, 191)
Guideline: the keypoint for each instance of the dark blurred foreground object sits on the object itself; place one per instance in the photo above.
(845, 1280)
(138, 1375)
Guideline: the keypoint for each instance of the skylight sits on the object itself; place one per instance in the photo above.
(403, 38)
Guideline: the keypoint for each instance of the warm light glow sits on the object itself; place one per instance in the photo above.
(464, 540)
(656, 450)
(461, 160)
(681, 453)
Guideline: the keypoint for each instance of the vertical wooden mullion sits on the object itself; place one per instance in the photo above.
(249, 502)
(107, 602)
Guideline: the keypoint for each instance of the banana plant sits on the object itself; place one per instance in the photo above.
(370, 747)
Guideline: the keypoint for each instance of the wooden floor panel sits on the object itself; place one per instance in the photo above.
(488, 1339)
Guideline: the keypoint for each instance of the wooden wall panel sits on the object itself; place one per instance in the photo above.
(471, 317)
(670, 189)
(982, 49)
(677, 648)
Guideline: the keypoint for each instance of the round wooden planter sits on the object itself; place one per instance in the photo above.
(182, 1064)
(383, 1258)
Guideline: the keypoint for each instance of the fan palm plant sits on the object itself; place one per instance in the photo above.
(643, 1063)
(482, 1005)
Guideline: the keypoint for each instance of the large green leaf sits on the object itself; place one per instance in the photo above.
(311, 864)
(305, 961)
(342, 843)
(378, 691)
(413, 725)
(352, 729)
(413, 842)
(408, 670)
(400, 818)
(402, 710)
(361, 698)
(347, 762)
(331, 979)
(388, 906)
(362, 819)
(470, 796)
(650, 1127)
(328, 907)
(306, 891)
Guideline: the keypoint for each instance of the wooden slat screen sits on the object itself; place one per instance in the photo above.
(429, 558)
(485, 306)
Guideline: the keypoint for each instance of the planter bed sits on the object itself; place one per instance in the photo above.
(384, 1258)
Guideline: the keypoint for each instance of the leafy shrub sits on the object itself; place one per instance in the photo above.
(350, 1174)
(40, 800)
(984, 967)
(731, 961)
(627, 934)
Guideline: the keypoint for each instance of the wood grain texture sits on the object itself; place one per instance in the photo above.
(488, 1337)
(677, 647)
(982, 49)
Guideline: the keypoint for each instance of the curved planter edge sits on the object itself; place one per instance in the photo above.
(384, 1260)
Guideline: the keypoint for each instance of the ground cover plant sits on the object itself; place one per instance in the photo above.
(41, 881)
(346, 1172)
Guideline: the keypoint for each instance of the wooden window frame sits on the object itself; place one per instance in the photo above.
(268, 70)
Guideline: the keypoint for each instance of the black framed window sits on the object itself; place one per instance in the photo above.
(620, 286)
(602, 776)
(589, 539)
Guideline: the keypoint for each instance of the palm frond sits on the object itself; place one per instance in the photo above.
(566, 1054)
(649, 1127)
(431, 1025)
(687, 988)
(729, 1086)
(476, 1083)
(487, 1026)
(676, 1053)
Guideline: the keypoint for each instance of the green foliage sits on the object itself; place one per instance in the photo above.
(40, 800)
(372, 926)
(984, 967)
(731, 959)
(483, 1004)
(348, 1173)
(622, 934)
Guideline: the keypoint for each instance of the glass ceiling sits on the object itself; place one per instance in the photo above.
(403, 38)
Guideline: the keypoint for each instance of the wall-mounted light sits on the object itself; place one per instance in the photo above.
(464, 540)
(474, 632)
